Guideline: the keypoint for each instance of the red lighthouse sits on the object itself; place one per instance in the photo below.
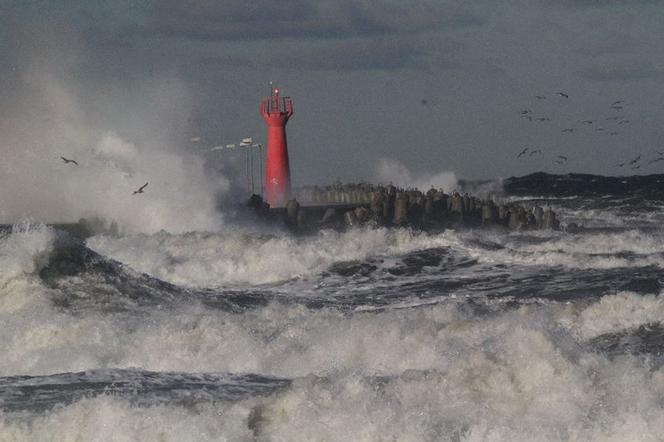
(276, 111)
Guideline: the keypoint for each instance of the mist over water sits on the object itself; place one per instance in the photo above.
(119, 145)
(389, 170)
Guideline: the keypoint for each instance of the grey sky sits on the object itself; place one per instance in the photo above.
(437, 85)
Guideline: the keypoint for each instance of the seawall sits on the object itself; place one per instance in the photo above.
(342, 206)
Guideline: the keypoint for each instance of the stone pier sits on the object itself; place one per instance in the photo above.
(343, 206)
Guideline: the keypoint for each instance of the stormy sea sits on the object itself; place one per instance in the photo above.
(383, 334)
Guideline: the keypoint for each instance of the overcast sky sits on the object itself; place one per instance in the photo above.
(436, 85)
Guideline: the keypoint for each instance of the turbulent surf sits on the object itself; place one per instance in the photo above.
(363, 334)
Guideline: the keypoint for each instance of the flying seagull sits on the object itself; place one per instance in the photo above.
(533, 152)
(543, 119)
(524, 112)
(635, 160)
(140, 190)
(523, 152)
(588, 121)
(540, 97)
(563, 94)
(562, 157)
(617, 102)
(69, 161)
(567, 130)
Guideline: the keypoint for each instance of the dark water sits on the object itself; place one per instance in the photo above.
(362, 335)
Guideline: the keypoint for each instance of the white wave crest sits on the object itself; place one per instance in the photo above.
(211, 259)
(23, 252)
(523, 391)
(111, 419)
(630, 248)
(620, 312)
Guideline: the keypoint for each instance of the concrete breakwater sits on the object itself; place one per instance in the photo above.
(348, 205)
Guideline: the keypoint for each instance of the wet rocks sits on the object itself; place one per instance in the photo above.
(352, 205)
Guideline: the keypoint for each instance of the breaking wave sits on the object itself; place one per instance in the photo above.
(366, 334)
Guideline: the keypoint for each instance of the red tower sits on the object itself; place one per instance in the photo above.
(276, 111)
